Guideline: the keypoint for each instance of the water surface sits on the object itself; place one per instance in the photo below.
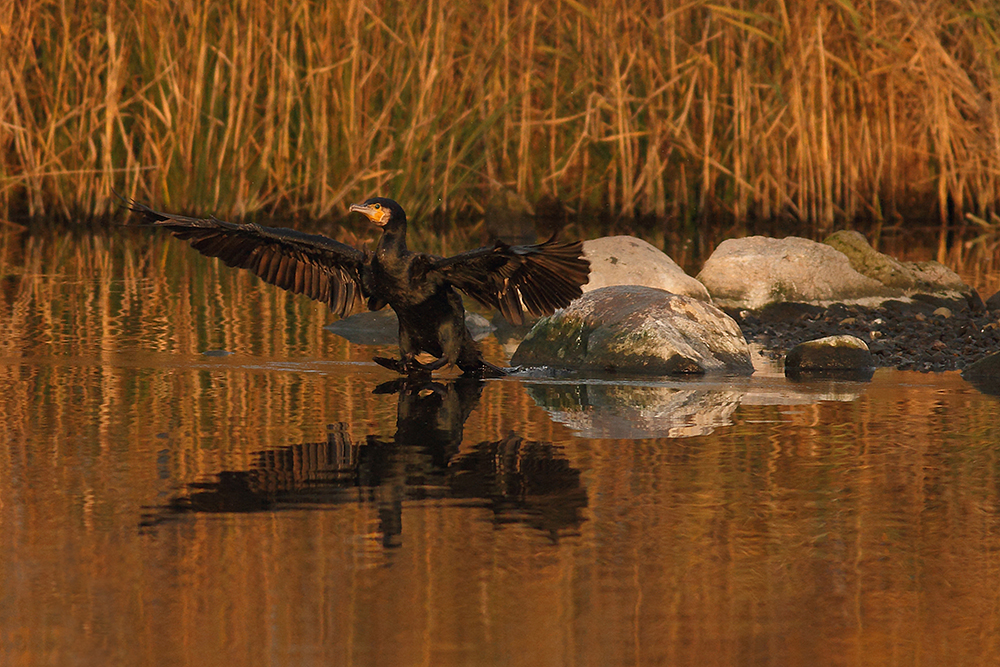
(282, 501)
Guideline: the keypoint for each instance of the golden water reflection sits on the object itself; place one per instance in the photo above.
(450, 525)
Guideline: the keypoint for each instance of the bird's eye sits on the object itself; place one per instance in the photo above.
(377, 206)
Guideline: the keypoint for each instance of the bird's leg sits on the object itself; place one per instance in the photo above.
(409, 348)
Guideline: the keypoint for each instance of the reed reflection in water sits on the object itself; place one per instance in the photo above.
(802, 524)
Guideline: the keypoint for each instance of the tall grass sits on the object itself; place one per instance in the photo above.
(825, 112)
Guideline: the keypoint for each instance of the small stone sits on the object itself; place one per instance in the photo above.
(942, 312)
(920, 317)
(833, 353)
(848, 321)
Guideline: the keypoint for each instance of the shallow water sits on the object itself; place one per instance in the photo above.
(284, 503)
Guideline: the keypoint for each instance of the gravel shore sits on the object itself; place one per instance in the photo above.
(925, 335)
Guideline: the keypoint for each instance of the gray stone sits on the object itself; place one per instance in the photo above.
(756, 271)
(637, 330)
(833, 353)
(936, 277)
(626, 260)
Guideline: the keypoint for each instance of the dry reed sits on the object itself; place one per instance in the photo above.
(825, 113)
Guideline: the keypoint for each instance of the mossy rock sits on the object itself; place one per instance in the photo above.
(869, 262)
(637, 330)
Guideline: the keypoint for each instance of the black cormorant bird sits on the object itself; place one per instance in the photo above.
(531, 280)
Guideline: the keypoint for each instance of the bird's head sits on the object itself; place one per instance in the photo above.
(381, 211)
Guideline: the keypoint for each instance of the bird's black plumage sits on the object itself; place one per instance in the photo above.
(519, 281)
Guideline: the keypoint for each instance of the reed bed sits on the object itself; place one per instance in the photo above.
(730, 112)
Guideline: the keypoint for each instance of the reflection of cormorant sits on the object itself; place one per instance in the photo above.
(517, 280)
(518, 480)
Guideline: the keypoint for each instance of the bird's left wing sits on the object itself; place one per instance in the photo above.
(309, 264)
(519, 280)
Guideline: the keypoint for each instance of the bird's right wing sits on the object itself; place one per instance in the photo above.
(309, 264)
(519, 281)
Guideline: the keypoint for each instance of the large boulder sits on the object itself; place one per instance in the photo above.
(755, 271)
(637, 330)
(626, 260)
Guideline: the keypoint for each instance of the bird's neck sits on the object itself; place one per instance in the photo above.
(393, 241)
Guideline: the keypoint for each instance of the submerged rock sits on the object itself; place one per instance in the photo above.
(637, 330)
(626, 260)
(756, 271)
(832, 353)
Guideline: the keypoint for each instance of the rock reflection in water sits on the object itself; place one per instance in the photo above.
(517, 480)
(636, 411)
(675, 409)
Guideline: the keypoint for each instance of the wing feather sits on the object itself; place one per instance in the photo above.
(519, 281)
(309, 264)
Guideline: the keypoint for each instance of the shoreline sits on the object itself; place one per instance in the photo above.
(923, 336)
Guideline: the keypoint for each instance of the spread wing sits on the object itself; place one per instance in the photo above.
(308, 264)
(519, 280)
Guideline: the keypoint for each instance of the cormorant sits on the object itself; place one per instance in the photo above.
(517, 280)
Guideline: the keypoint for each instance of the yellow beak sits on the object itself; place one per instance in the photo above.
(379, 215)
